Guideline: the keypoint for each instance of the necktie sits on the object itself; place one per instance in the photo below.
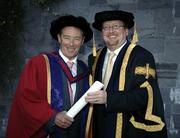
(70, 65)
(108, 70)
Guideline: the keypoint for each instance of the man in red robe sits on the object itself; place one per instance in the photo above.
(42, 96)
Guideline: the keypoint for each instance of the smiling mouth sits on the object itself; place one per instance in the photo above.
(71, 49)
(112, 37)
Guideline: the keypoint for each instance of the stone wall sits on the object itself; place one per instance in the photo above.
(158, 26)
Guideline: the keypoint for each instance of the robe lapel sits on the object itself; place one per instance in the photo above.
(66, 103)
(79, 84)
(66, 69)
(116, 69)
(100, 62)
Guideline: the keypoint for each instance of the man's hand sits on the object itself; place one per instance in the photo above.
(62, 120)
(98, 97)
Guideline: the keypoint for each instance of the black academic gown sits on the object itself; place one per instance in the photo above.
(134, 106)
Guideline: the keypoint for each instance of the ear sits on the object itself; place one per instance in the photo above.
(83, 40)
(59, 38)
(127, 32)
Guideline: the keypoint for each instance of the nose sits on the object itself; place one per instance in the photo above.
(111, 29)
(71, 42)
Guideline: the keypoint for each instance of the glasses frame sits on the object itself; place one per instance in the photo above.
(113, 27)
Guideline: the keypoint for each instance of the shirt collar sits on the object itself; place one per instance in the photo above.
(74, 60)
(116, 52)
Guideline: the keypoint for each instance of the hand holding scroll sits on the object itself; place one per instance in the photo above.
(98, 97)
(81, 102)
(62, 120)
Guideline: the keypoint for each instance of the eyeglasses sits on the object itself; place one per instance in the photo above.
(114, 27)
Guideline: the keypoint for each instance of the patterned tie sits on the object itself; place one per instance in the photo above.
(108, 70)
(70, 65)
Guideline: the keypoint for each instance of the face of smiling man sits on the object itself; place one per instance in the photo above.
(114, 34)
(70, 39)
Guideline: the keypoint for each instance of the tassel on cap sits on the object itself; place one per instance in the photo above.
(135, 36)
(94, 47)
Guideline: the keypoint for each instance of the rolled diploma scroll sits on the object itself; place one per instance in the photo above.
(74, 110)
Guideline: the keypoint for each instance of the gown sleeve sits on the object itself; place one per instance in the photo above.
(141, 96)
(30, 109)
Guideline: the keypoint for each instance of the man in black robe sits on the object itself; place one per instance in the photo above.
(130, 105)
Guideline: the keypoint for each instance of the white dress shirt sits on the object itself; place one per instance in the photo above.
(73, 85)
(116, 52)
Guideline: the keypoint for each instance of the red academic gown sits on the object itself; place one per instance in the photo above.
(30, 109)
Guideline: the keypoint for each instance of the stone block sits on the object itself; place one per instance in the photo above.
(167, 66)
(167, 109)
(154, 45)
(176, 121)
(178, 79)
(158, 57)
(175, 95)
(165, 93)
(175, 109)
(163, 20)
(172, 130)
(154, 4)
(71, 4)
(97, 2)
(176, 135)
(177, 9)
(144, 22)
(167, 119)
(166, 70)
(113, 2)
(166, 83)
(172, 50)
(167, 74)
(176, 29)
